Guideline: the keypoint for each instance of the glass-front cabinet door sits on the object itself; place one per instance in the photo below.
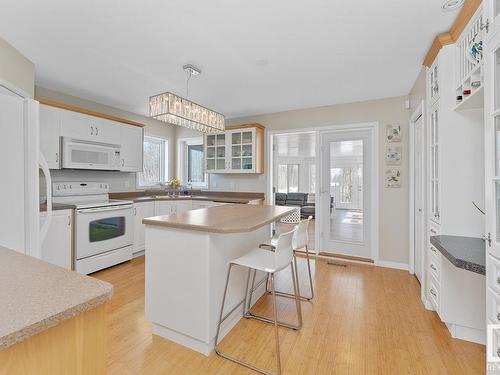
(434, 193)
(215, 148)
(242, 146)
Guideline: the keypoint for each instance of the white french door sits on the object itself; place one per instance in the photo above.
(346, 205)
(419, 202)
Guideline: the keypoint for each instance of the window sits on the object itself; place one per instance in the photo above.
(288, 178)
(155, 170)
(191, 160)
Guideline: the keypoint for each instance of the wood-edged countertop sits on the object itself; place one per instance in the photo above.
(36, 295)
(230, 218)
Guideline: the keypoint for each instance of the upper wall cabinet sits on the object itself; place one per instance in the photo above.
(131, 151)
(57, 122)
(50, 131)
(238, 150)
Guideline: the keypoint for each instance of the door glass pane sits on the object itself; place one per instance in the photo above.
(106, 229)
(247, 163)
(246, 150)
(236, 163)
(210, 140)
(236, 138)
(236, 151)
(221, 139)
(293, 178)
(210, 152)
(221, 164)
(497, 207)
(497, 146)
(496, 100)
(210, 164)
(346, 191)
(221, 151)
(282, 178)
(247, 137)
(496, 6)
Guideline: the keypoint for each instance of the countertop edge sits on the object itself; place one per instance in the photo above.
(205, 229)
(52, 321)
(459, 263)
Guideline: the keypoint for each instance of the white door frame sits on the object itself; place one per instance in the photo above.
(374, 127)
(419, 112)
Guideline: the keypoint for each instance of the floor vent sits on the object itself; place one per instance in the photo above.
(337, 264)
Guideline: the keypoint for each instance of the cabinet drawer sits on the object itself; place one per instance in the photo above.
(493, 306)
(434, 253)
(433, 290)
(435, 267)
(493, 274)
(434, 229)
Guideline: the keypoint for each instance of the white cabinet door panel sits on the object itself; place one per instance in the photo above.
(141, 211)
(131, 150)
(57, 246)
(50, 131)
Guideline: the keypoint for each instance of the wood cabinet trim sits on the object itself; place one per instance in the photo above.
(466, 13)
(245, 126)
(68, 107)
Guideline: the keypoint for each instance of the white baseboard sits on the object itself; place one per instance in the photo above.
(477, 336)
(138, 254)
(395, 265)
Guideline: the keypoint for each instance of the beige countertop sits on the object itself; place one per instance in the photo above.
(222, 219)
(35, 296)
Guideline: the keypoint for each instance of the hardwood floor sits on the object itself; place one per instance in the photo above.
(364, 320)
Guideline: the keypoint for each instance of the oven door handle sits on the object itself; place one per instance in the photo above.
(104, 209)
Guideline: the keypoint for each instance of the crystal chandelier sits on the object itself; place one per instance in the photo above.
(171, 108)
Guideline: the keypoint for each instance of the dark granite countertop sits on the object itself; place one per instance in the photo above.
(468, 253)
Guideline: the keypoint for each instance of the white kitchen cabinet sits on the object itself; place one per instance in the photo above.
(50, 131)
(141, 211)
(434, 188)
(164, 208)
(57, 248)
(131, 151)
(238, 150)
(82, 126)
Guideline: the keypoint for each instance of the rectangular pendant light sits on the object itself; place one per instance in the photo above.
(171, 108)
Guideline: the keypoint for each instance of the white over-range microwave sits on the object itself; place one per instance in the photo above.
(84, 154)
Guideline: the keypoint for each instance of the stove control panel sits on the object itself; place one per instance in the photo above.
(63, 189)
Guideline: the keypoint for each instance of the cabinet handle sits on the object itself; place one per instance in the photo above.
(135, 211)
(69, 220)
(498, 352)
(498, 317)
(498, 280)
(433, 267)
(57, 157)
(433, 231)
(433, 250)
(433, 292)
(91, 130)
(96, 130)
(123, 162)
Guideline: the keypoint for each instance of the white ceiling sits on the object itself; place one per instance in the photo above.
(257, 56)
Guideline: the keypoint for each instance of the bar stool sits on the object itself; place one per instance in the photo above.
(300, 241)
(269, 262)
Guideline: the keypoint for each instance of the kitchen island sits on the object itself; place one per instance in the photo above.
(186, 265)
(52, 321)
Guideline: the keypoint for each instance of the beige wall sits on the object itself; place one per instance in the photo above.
(394, 219)
(16, 69)
(119, 181)
(418, 93)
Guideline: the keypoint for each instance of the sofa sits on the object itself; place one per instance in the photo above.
(304, 200)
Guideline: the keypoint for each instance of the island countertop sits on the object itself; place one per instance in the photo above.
(36, 296)
(222, 219)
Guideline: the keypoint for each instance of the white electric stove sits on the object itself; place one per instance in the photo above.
(104, 232)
